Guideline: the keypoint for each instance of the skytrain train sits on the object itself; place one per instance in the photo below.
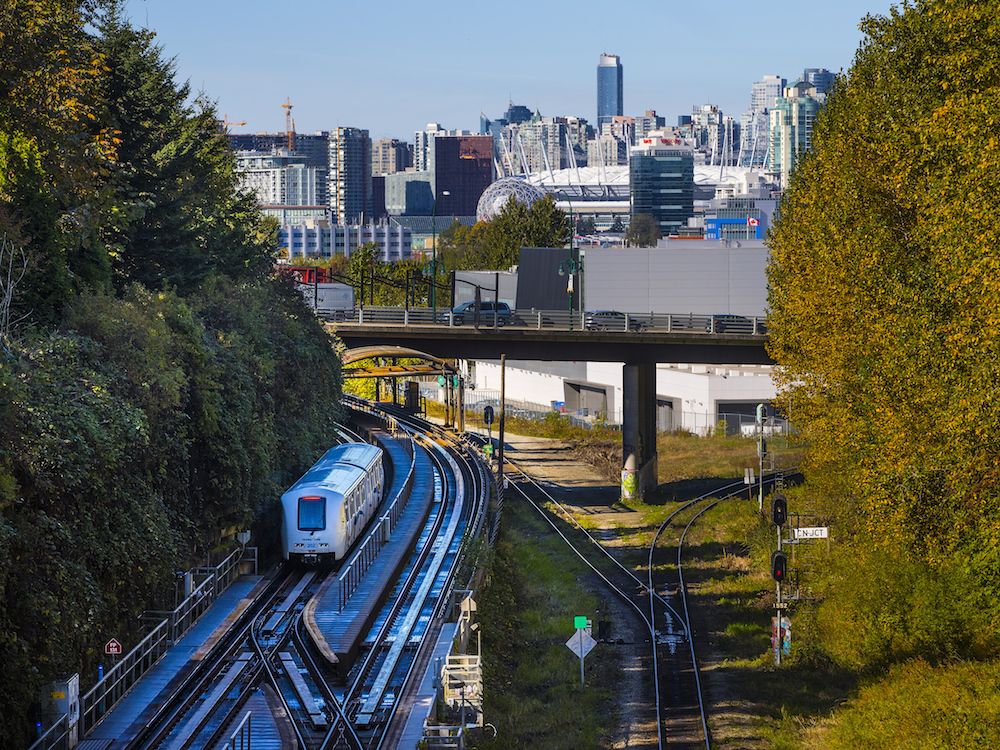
(325, 511)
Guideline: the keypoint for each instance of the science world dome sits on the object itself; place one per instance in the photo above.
(495, 197)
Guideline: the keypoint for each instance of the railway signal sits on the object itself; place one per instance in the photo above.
(779, 510)
(779, 565)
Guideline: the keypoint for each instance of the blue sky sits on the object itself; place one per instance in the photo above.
(392, 66)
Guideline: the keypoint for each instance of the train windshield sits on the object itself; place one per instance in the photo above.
(312, 513)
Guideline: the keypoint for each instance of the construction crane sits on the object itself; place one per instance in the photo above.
(226, 123)
(289, 123)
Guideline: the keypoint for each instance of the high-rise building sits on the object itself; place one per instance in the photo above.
(311, 146)
(423, 146)
(755, 122)
(607, 150)
(546, 143)
(389, 156)
(821, 79)
(792, 121)
(610, 89)
(281, 178)
(661, 179)
(766, 91)
(350, 175)
(463, 169)
(647, 123)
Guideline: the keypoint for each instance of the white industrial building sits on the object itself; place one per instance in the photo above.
(321, 239)
(699, 277)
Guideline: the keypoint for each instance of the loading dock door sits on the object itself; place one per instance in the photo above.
(586, 399)
(664, 415)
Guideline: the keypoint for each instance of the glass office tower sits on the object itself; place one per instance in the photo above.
(662, 182)
(609, 89)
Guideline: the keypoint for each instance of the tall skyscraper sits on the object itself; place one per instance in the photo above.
(609, 89)
(821, 78)
(350, 175)
(661, 178)
(792, 121)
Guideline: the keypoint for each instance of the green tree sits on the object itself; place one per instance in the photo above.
(178, 215)
(643, 231)
(885, 298)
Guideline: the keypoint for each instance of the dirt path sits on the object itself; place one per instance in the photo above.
(586, 492)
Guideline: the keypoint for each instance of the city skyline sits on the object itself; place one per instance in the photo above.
(481, 71)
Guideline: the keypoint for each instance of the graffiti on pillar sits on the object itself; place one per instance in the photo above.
(629, 484)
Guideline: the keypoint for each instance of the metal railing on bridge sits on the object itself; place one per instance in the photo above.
(559, 320)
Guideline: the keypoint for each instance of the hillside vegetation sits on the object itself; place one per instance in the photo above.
(885, 322)
(156, 385)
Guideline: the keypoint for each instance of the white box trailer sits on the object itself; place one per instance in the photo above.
(329, 300)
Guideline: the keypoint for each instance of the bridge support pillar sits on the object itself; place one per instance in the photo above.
(639, 475)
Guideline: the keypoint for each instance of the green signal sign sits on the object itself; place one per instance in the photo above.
(580, 622)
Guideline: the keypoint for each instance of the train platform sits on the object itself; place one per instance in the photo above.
(337, 632)
(123, 722)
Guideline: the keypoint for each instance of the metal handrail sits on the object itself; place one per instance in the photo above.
(106, 693)
(55, 737)
(610, 321)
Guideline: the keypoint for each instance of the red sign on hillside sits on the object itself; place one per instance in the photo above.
(113, 647)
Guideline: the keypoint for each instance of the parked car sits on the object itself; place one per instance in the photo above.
(728, 323)
(488, 311)
(612, 320)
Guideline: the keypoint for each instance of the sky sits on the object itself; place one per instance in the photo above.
(391, 66)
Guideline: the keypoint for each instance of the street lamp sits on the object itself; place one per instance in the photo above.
(571, 265)
(434, 253)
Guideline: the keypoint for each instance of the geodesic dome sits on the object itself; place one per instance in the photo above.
(495, 197)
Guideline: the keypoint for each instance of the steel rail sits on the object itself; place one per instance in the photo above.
(621, 593)
(177, 704)
(732, 489)
(442, 597)
(406, 588)
(340, 718)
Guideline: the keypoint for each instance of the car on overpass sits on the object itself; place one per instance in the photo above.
(489, 312)
(612, 320)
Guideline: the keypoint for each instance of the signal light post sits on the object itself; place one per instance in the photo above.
(779, 566)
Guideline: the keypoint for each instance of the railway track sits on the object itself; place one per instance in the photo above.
(678, 696)
(268, 645)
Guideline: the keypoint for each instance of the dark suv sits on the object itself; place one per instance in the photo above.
(611, 320)
(466, 312)
(728, 323)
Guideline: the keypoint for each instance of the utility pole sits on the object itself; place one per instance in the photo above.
(761, 452)
(503, 418)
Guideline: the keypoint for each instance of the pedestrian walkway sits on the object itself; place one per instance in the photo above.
(337, 631)
(122, 723)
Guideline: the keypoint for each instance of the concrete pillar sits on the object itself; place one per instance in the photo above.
(638, 430)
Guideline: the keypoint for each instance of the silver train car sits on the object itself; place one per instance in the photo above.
(325, 511)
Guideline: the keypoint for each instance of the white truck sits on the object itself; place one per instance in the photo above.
(330, 300)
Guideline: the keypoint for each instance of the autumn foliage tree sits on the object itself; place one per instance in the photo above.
(885, 321)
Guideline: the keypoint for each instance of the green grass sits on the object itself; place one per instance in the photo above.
(532, 692)
(918, 707)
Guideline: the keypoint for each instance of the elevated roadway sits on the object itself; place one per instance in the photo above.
(640, 341)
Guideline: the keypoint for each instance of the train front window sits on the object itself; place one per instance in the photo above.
(312, 513)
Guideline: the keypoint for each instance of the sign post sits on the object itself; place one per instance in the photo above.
(581, 643)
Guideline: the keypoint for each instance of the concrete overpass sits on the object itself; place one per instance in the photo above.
(718, 340)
